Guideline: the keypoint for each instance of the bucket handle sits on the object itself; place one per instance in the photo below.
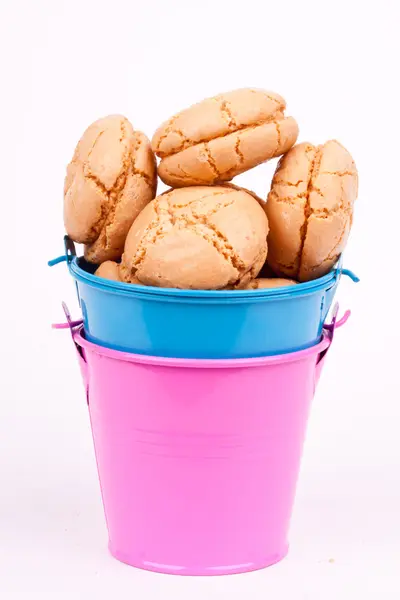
(340, 271)
(73, 326)
(350, 274)
(329, 329)
(70, 253)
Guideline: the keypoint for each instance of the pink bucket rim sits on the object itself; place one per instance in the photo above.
(196, 363)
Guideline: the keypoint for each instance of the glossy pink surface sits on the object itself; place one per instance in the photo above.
(198, 460)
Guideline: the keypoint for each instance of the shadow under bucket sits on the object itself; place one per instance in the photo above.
(198, 459)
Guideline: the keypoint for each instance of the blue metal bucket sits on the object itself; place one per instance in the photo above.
(202, 324)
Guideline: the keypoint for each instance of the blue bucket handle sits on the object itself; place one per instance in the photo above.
(350, 274)
(340, 271)
(70, 253)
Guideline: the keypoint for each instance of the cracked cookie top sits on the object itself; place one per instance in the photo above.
(197, 238)
(266, 283)
(220, 137)
(310, 209)
(110, 178)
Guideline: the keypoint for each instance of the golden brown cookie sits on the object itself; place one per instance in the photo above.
(275, 282)
(220, 137)
(111, 177)
(197, 238)
(109, 270)
(310, 209)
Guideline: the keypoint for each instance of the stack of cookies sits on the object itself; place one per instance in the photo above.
(206, 233)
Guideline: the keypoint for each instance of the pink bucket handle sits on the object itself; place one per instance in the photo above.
(73, 326)
(70, 324)
(335, 323)
(330, 328)
(67, 325)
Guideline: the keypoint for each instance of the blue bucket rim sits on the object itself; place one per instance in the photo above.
(151, 292)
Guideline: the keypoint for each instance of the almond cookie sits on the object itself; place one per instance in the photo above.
(310, 209)
(197, 238)
(110, 270)
(261, 282)
(220, 137)
(111, 178)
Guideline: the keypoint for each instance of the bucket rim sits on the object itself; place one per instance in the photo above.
(217, 296)
(202, 363)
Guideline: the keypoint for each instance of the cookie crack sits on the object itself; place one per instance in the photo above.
(164, 220)
(113, 194)
(201, 216)
(211, 162)
(339, 173)
(278, 102)
(287, 183)
(312, 174)
(324, 213)
(153, 231)
(220, 243)
(255, 268)
(287, 199)
(185, 177)
(186, 141)
(185, 173)
(238, 151)
(329, 258)
(284, 267)
(135, 171)
(96, 139)
(197, 222)
(97, 183)
(167, 131)
(120, 180)
(213, 195)
(274, 118)
(278, 144)
(227, 114)
(218, 239)
(332, 256)
(143, 175)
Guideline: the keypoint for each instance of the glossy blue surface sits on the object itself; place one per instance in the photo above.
(203, 324)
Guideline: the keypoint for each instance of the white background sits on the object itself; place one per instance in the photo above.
(65, 64)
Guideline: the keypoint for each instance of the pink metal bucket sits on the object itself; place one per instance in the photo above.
(198, 459)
